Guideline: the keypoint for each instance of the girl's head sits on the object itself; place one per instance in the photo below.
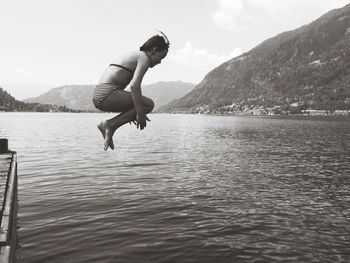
(160, 42)
(156, 47)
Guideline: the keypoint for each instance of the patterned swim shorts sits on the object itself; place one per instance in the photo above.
(102, 91)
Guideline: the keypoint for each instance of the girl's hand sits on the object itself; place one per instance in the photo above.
(141, 120)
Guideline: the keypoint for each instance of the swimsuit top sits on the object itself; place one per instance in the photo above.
(127, 69)
(120, 66)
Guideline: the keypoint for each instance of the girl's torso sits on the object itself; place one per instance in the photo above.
(118, 75)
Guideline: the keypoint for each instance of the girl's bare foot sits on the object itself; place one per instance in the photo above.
(107, 135)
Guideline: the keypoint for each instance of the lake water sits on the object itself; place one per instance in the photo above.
(188, 188)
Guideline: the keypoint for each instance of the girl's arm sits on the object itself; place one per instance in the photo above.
(135, 87)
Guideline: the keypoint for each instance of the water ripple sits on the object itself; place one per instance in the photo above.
(228, 189)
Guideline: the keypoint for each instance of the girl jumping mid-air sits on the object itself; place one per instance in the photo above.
(109, 94)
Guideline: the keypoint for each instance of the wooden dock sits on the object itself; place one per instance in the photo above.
(9, 206)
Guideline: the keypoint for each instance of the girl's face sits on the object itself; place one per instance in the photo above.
(157, 57)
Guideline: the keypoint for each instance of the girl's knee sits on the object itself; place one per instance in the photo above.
(148, 107)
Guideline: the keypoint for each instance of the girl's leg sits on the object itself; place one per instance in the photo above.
(120, 101)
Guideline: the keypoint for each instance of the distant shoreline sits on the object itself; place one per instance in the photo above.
(241, 114)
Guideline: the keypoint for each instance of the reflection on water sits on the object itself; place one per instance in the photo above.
(188, 188)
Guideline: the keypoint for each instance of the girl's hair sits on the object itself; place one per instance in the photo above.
(160, 42)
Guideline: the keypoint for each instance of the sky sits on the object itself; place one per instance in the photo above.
(51, 43)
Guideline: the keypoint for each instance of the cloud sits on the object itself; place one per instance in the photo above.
(193, 63)
(21, 71)
(20, 75)
(191, 55)
(243, 15)
(230, 14)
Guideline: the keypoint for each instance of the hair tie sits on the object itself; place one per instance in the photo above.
(166, 40)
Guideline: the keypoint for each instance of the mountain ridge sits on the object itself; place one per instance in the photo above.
(308, 67)
(9, 103)
(79, 97)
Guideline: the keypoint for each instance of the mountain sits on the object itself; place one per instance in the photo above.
(306, 68)
(9, 103)
(79, 97)
(164, 92)
(22, 91)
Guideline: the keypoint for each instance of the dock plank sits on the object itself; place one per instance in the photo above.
(8, 198)
(5, 162)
